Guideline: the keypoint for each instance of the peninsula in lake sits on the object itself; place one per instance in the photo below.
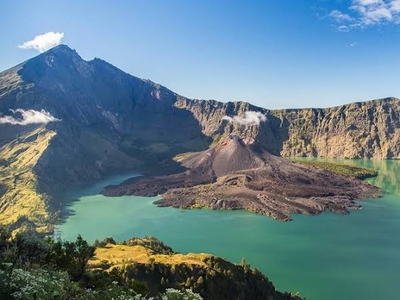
(240, 173)
(66, 122)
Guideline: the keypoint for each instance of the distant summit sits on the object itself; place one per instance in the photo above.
(62, 48)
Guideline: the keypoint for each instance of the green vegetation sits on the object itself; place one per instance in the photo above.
(341, 169)
(36, 268)
(21, 204)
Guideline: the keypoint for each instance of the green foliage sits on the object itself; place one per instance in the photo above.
(5, 236)
(71, 256)
(245, 265)
(173, 294)
(103, 243)
(34, 284)
(30, 249)
(35, 268)
(151, 243)
(341, 169)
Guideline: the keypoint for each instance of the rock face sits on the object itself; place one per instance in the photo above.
(240, 174)
(112, 122)
(358, 130)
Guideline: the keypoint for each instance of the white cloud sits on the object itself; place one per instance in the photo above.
(364, 13)
(29, 116)
(368, 2)
(43, 42)
(395, 6)
(343, 28)
(250, 118)
(339, 16)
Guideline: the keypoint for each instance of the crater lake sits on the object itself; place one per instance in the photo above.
(327, 257)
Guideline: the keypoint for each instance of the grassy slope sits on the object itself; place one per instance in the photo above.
(20, 204)
(119, 255)
(341, 169)
(211, 276)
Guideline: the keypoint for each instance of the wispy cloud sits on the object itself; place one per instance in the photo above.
(250, 118)
(366, 13)
(43, 42)
(343, 28)
(27, 117)
(338, 16)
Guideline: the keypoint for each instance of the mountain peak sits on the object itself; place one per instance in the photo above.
(60, 55)
(58, 64)
(61, 52)
(61, 48)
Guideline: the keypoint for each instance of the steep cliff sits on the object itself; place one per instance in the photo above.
(357, 130)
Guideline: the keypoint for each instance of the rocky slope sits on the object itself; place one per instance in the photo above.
(240, 174)
(358, 130)
(105, 121)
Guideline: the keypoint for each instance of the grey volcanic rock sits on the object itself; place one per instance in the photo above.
(240, 174)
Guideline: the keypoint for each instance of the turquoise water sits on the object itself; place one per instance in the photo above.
(326, 257)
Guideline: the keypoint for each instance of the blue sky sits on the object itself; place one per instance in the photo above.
(274, 54)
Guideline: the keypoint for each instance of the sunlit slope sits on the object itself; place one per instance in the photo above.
(20, 203)
(211, 276)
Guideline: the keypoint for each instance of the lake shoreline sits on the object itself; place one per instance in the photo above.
(276, 188)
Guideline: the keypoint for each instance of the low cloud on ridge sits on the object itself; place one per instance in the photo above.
(250, 118)
(29, 116)
(43, 42)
